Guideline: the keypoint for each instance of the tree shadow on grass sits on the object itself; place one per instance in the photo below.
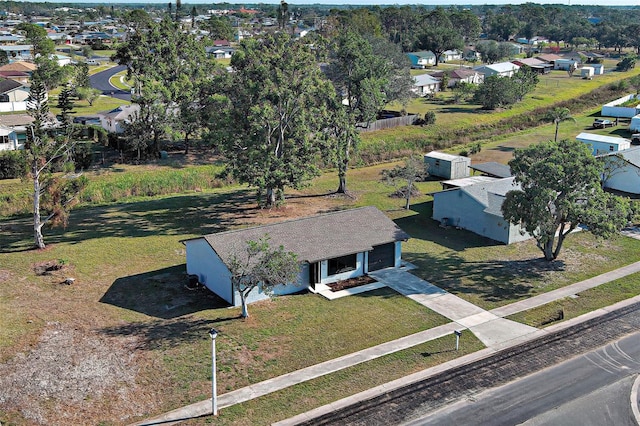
(160, 294)
(494, 281)
(162, 334)
(188, 215)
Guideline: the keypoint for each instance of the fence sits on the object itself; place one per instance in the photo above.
(389, 123)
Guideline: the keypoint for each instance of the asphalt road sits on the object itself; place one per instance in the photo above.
(592, 389)
(100, 81)
(601, 368)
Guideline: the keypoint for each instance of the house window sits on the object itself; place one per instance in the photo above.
(610, 147)
(4, 139)
(4, 98)
(338, 265)
(437, 163)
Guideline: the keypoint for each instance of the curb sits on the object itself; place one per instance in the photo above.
(634, 400)
(460, 365)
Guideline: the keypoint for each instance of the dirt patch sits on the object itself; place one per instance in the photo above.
(49, 267)
(70, 367)
(4, 275)
(351, 282)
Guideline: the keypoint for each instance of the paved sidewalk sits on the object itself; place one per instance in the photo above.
(490, 328)
(476, 319)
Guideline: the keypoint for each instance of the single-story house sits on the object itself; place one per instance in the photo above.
(537, 65)
(565, 64)
(330, 247)
(18, 52)
(9, 139)
(421, 59)
(220, 52)
(465, 181)
(501, 69)
(114, 121)
(478, 208)
(450, 55)
(548, 57)
(13, 96)
(601, 144)
(17, 76)
(492, 169)
(22, 66)
(623, 170)
(447, 166)
(425, 84)
(460, 75)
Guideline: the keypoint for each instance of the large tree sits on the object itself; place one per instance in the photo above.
(272, 128)
(360, 78)
(263, 266)
(438, 34)
(560, 190)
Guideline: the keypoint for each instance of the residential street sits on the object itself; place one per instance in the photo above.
(605, 369)
(592, 389)
(100, 81)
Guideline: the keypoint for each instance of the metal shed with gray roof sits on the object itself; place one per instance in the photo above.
(330, 247)
(478, 208)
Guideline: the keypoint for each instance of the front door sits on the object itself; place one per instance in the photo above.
(383, 256)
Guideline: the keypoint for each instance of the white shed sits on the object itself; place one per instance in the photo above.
(329, 247)
(447, 166)
(598, 69)
(587, 72)
(601, 144)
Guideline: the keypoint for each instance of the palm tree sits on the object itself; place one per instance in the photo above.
(557, 116)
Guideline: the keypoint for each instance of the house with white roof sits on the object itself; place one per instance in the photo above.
(425, 84)
(477, 207)
(602, 144)
(501, 69)
(622, 170)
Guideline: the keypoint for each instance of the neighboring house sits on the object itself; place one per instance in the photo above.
(565, 64)
(601, 144)
(450, 55)
(13, 96)
(471, 55)
(62, 60)
(421, 59)
(535, 64)
(9, 139)
(623, 170)
(425, 84)
(330, 247)
(501, 69)
(18, 76)
(22, 66)
(114, 121)
(10, 39)
(220, 52)
(447, 166)
(548, 57)
(460, 75)
(478, 208)
(492, 169)
(18, 52)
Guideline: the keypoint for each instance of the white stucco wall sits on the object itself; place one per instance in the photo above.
(626, 179)
(203, 261)
(465, 212)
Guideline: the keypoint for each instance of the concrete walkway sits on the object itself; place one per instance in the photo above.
(490, 327)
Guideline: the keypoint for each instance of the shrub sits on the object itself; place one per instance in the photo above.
(12, 164)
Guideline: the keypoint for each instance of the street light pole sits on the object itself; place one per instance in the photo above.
(214, 397)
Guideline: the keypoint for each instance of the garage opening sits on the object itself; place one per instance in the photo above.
(382, 256)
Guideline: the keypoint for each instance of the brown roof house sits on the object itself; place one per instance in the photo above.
(330, 247)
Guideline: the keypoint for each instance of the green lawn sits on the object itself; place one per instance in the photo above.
(587, 301)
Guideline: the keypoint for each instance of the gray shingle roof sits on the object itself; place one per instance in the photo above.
(492, 194)
(318, 237)
(494, 169)
(7, 85)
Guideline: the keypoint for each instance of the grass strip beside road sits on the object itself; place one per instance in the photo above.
(332, 387)
(584, 302)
